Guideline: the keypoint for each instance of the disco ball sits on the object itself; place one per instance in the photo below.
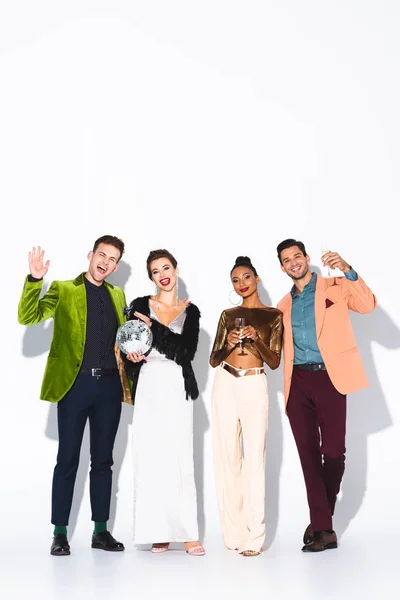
(134, 336)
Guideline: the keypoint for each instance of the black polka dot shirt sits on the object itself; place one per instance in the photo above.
(101, 328)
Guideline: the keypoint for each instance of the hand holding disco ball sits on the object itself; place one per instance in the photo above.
(134, 336)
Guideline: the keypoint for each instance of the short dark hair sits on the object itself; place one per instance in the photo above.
(111, 240)
(289, 243)
(244, 261)
(156, 254)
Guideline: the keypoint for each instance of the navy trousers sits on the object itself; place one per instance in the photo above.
(99, 400)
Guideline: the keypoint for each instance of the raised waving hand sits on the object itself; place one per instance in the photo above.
(37, 266)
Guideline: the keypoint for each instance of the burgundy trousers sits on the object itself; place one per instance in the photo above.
(317, 415)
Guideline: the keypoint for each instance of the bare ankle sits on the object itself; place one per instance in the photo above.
(189, 545)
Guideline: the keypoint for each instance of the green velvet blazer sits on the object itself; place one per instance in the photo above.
(65, 302)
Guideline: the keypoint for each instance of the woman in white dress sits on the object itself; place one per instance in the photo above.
(165, 504)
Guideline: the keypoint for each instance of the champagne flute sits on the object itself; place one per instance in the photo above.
(240, 322)
(331, 272)
(323, 252)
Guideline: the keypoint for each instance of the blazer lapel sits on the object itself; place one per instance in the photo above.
(80, 302)
(119, 310)
(320, 307)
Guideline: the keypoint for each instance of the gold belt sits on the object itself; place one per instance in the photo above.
(242, 372)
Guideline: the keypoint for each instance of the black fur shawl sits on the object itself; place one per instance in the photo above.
(178, 347)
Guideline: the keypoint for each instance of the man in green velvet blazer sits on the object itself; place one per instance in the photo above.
(84, 375)
(65, 301)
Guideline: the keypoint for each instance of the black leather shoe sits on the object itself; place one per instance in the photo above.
(323, 540)
(60, 546)
(105, 541)
(308, 536)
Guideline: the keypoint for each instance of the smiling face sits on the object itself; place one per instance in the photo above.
(103, 262)
(244, 281)
(294, 263)
(163, 274)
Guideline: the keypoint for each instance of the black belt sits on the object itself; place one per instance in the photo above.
(311, 367)
(99, 372)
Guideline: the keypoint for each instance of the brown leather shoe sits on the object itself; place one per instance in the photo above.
(322, 541)
(308, 536)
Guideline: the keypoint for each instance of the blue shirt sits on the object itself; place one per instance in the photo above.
(306, 349)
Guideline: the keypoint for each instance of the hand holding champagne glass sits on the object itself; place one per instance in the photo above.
(240, 322)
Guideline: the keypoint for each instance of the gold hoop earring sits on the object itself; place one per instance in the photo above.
(237, 295)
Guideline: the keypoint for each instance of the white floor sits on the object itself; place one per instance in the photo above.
(362, 568)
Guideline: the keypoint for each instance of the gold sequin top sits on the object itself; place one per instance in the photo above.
(268, 324)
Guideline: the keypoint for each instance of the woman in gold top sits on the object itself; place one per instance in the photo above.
(240, 408)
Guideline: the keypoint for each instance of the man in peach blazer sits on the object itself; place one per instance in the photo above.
(321, 366)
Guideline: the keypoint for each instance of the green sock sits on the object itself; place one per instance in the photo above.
(100, 526)
(60, 529)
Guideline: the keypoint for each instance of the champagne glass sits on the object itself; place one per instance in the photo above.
(240, 322)
(330, 272)
(327, 267)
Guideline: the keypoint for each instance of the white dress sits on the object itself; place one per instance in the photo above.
(164, 492)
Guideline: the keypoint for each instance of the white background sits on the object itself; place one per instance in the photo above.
(213, 129)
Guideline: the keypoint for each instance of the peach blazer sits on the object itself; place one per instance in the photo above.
(335, 336)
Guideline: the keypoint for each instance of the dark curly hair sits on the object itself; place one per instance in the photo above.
(156, 254)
